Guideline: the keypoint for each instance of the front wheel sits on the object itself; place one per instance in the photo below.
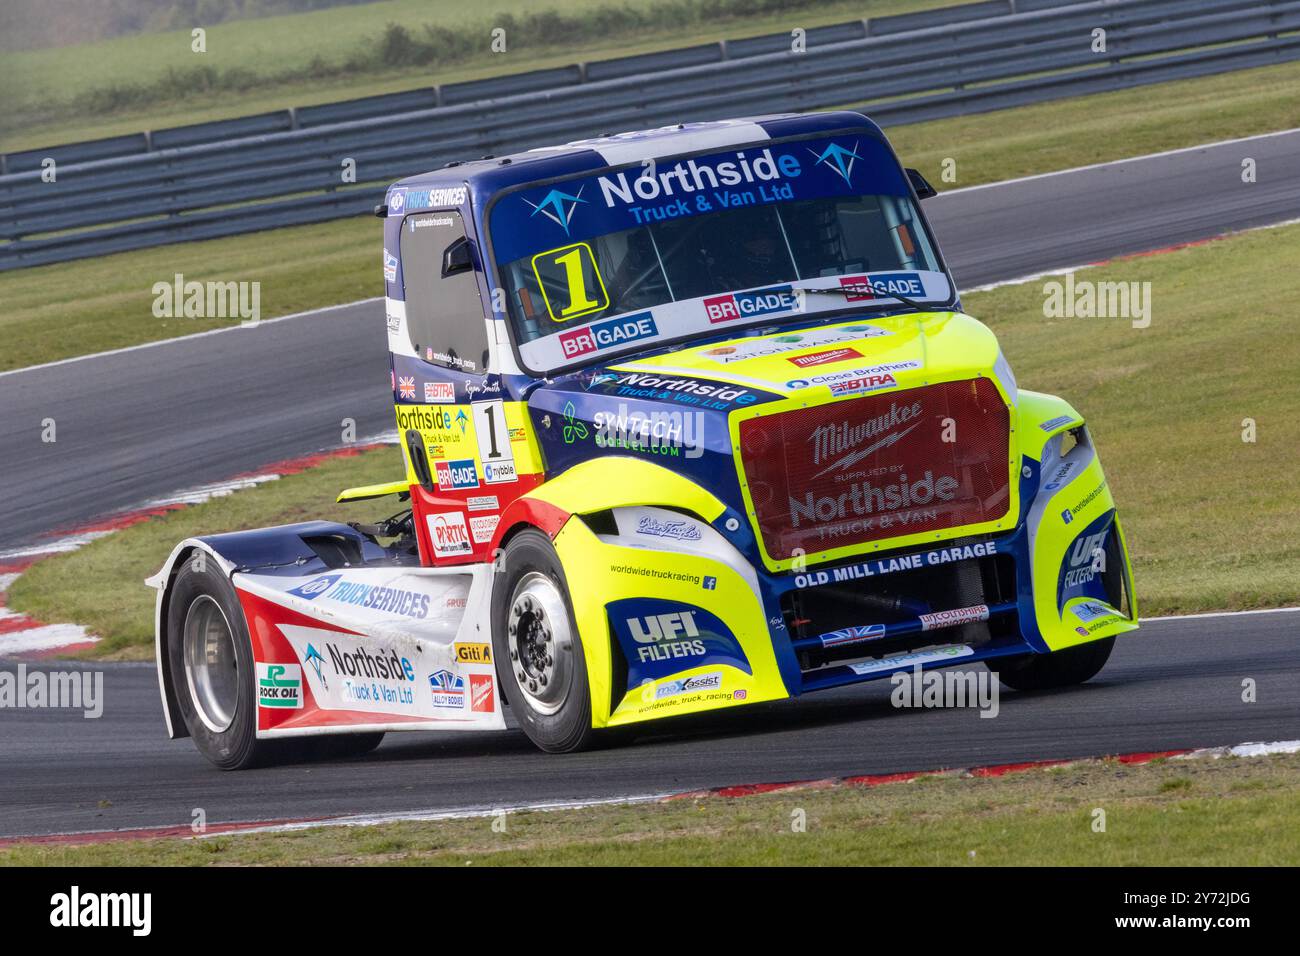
(1074, 665)
(536, 645)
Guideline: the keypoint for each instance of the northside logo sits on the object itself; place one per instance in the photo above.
(690, 176)
(607, 334)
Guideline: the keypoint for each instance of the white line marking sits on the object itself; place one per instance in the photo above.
(1209, 614)
(1033, 277)
(56, 546)
(46, 638)
(1120, 162)
(1245, 750)
(462, 813)
(5, 581)
(185, 338)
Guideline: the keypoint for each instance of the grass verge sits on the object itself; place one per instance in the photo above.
(111, 590)
(1228, 812)
(104, 303)
(1209, 517)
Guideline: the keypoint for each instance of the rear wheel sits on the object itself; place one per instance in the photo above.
(1074, 665)
(211, 662)
(536, 645)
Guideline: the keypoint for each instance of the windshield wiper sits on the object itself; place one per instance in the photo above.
(860, 289)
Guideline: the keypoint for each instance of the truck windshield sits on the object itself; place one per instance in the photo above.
(729, 238)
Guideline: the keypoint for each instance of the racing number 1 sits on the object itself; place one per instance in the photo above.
(566, 269)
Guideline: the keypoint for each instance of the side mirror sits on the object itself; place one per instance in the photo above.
(456, 258)
(420, 460)
(922, 186)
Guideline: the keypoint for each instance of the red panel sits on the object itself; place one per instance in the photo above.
(878, 467)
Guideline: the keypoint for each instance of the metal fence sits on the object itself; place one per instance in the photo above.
(277, 169)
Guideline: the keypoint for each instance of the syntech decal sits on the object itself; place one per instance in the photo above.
(660, 638)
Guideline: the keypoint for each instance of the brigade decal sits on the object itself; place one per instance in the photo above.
(774, 300)
(279, 686)
(607, 334)
(660, 638)
(455, 475)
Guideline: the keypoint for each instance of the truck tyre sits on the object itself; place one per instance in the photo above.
(1074, 665)
(538, 652)
(210, 659)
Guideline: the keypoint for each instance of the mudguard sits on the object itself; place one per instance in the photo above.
(354, 638)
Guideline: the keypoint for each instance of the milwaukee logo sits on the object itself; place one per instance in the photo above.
(841, 445)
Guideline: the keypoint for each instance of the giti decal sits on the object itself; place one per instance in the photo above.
(473, 653)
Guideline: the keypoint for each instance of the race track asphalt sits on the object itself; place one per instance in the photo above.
(139, 424)
(144, 423)
(1174, 684)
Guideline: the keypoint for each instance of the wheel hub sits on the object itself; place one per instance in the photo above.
(211, 667)
(541, 644)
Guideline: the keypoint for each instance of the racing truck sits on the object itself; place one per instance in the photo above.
(691, 418)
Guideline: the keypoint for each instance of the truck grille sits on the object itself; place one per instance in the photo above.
(878, 467)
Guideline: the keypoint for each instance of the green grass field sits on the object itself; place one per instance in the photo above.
(1210, 519)
(1228, 812)
(105, 303)
(152, 81)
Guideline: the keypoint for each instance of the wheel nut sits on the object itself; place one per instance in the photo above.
(514, 655)
(532, 685)
(542, 680)
(522, 677)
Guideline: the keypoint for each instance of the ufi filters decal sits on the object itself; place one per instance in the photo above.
(660, 638)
